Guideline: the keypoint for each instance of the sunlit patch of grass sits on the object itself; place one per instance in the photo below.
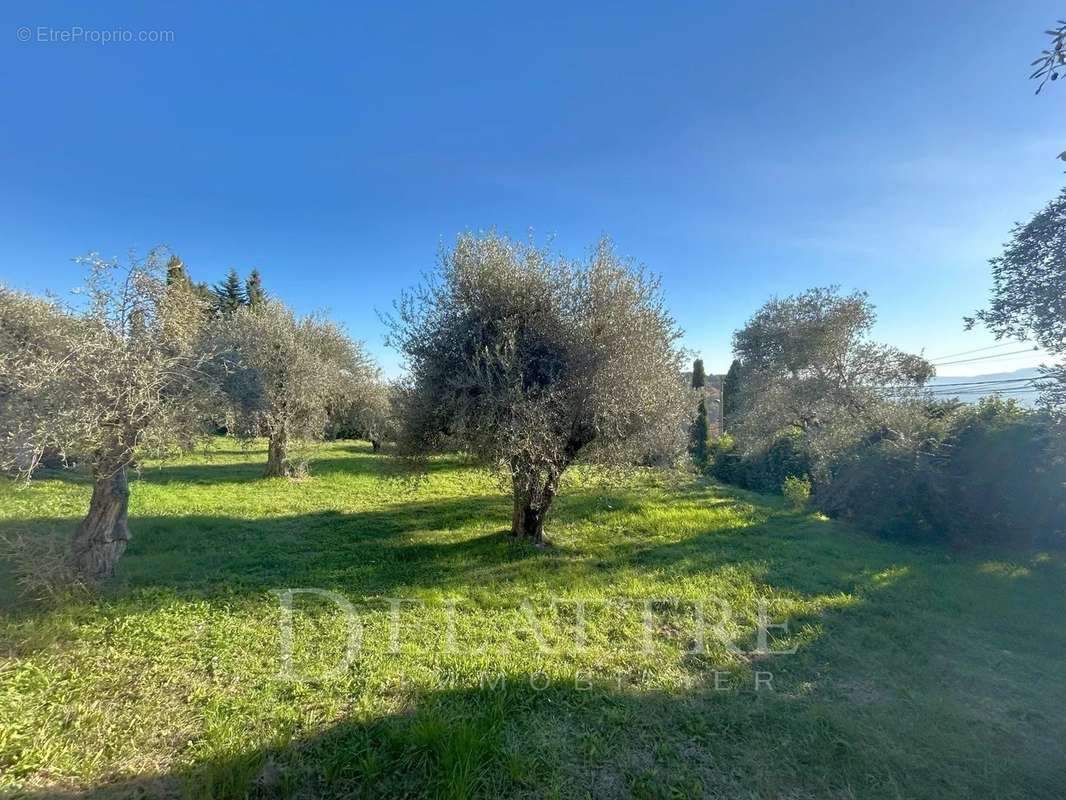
(887, 577)
(1004, 569)
(916, 673)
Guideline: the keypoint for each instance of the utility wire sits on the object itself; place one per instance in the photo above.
(979, 391)
(977, 350)
(982, 392)
(984, 358)
(984, 383)
(964, 384)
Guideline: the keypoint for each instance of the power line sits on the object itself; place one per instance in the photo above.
(984, 358)
(984, 383)
(985, 389)
(962, 384)
(1031, 385)
(977, 350)
(987, 393)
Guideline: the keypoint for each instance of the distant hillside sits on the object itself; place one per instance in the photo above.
(1028, 372)
(971, 388)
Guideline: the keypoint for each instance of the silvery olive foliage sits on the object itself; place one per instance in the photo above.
(282, 374)
(531, 362)
(366, 412)
(808, 365)
(116, 374)
(119, 369)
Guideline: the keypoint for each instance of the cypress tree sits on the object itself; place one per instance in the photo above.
(698, 431)
(730, 390)
(699, 377)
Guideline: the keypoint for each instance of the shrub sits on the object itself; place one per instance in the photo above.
(989, 474)
(890, 488)
(797, 492)
(1004, 478)
(723, 460)
(992, 473)
(718, 448)
(762, 470)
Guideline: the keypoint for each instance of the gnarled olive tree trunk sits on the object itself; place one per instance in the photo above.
(102, 536)
(533, 496)
(278, 464)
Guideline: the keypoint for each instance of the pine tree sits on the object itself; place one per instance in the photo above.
(730, 390)
(699, 377)
(206, 294)
(176, 274)
(229, 294)
(253, 289)
(698, 431)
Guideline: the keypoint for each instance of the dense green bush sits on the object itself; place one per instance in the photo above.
(989, 474)
(1005, 477)
(893, 489)
(763, 470)
(993, 473)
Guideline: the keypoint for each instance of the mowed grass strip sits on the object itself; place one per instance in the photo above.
(916, 673)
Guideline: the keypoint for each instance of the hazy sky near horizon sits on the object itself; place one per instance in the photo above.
(740, 150)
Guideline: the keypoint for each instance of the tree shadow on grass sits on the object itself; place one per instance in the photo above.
(457, 543)
(853, 732)
(512, 736)
(251, 471)
(519, 735)
(219, 468)
(441, 543)
(372, 552)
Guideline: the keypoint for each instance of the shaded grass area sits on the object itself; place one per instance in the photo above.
(917, 672)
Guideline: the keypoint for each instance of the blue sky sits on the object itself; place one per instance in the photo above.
(740, 150)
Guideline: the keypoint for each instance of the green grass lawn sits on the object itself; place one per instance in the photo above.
(917, 672)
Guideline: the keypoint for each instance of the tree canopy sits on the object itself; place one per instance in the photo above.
(531, 362)
(731, 391)
(229, 294)
(118, 374)
(1029, 291)
(808, 365)
(282, 374)
(253, 289)
(1051, 61)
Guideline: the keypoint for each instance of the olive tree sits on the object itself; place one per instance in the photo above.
(531, 362)
(808, 366)
(365, 411)
(282, 374)
(118, 373)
